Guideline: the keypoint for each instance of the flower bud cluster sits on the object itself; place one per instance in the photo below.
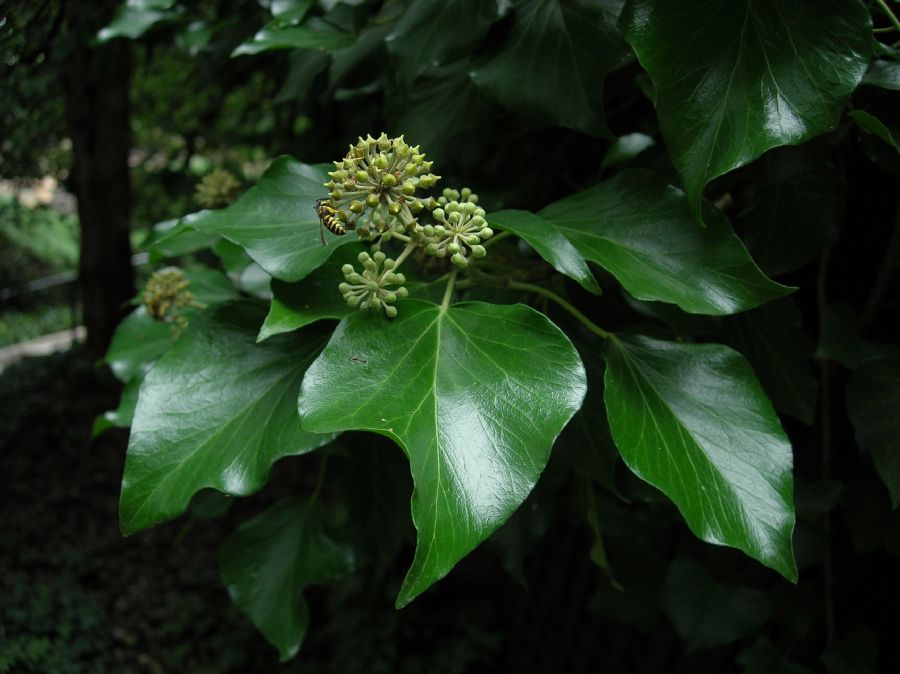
(217, 189)
(459, 229)
(369, 290)
(373, 187)
(166, 292)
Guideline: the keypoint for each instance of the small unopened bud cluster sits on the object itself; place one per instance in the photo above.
(217, 189)
(165, 293)
(376, 182)
(369, 290)
(459, 229)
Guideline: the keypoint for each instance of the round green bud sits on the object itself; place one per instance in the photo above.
(354, 300)
(389, 297)
(356, 278)
(372, 200)
(479, 251)
(402, 292)
(362, 175)
(431, 248)
(363, 257)
(453, 247)
(386, 236)
(460, 260)
(454, 217)
(439, 230)
(465, 193)
(438, 214)
(347, 269)
(356, 206)
(479, 212)
(391, 312)
(477, 221)
(389, 180)
(441, 252)
(349, 185)
(453, 206)
(335, 194)
(394, 208)
(486, 233)
(399, 278)
(473, 199)
(379, 257)
(408, 188)
(472, 239)
(344, 288)
(428, 230)
(389, 263)
(469, 207)
(381, 162)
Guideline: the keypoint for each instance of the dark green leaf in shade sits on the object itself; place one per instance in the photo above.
(275, 221)
(442, 105)
(764, 658)
(884, 74)
(136, 17)
(792, 221)
(549, 243)
(173, 238)
(871, 124)
(137, 343)
(294, 37)
(855, 653)
(563, 49)
(123, 414)
(734, 79)
(693, 421)
(640, 230)
(772, 339)
(436, 32)
(475, 394)
(290, 12)
(269, 561)
(708, 613)
(873, 401)
(216, 411)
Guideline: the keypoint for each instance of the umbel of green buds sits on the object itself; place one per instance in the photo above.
(459, 228)
(373, 188)
(165, 292)
(369, 290)
(217, 189)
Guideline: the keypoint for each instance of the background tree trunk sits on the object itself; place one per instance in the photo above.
(96, 82)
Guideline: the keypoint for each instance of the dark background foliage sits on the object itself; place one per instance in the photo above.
(596, 571)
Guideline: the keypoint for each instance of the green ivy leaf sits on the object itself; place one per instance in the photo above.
(216, 411)
(436, 32)
(173, 238)
(871, 124)
(139, 340)
(706, 612)
(734, 79)
(275, 221)
(137, 343)
(640, 230)
(269, 561)
(884, 74)
(122, 416)
(873, 402)
(772, 339)
(475, 394)
(693, 421)
(565, 48)
(549, 243)
(136, 17)
(294, 37)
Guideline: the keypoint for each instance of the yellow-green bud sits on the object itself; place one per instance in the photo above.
(372, 200)
(459, 260)
(389, 180)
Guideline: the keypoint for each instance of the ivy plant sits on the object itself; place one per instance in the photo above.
(602, 314)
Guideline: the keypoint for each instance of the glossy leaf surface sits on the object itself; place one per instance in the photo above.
(734, 79)
(549, 243)
(276, 222)
(136, 17)
(294, 37)
(640, 229)
(269, 561)
(873, 401)
(693, 421)
(566, 47)
(216, 411)
(475, 394)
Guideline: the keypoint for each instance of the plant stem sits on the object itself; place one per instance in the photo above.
(449, 291)
(496, 238)
(888, 13)
(584, 320)
(410, 247)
